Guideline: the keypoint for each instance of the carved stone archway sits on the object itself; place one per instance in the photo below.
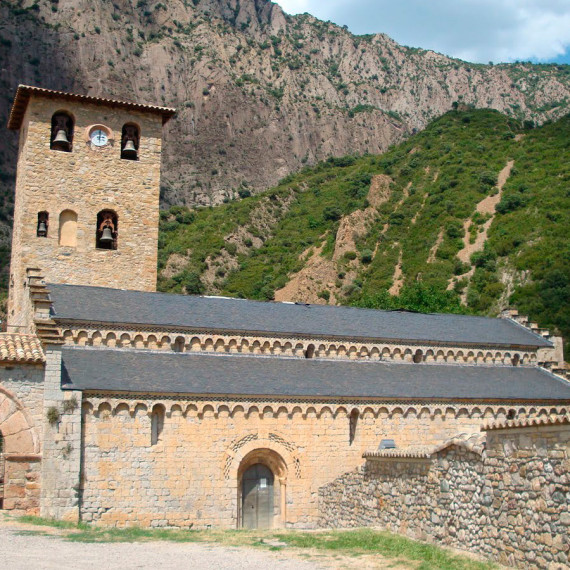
(20, 457)
(20, 435)
(268, 451)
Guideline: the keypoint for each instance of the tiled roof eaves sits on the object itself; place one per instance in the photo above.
(20, 348)
(397, 454)
(24, 93)
(526, 423)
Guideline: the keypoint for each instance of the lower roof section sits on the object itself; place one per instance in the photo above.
(235, 375)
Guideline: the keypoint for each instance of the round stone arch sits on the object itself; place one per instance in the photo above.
(272, 455)
(17, 428)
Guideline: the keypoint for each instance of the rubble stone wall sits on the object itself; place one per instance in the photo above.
(511, 504)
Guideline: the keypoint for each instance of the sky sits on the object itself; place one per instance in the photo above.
(480, 31)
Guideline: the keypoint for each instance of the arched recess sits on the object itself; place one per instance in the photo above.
(19, 433)
(281, 461)
(68, 228)
(62, 126)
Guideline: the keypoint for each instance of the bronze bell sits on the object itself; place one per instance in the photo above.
(60, 141)
(42, 229)
(106, 236)
(129, 151)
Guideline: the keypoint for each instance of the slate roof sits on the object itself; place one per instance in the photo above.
(220, 374)
(98, 304)
(24, 93)
(20, 348)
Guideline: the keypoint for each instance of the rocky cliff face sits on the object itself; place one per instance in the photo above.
(258, 93)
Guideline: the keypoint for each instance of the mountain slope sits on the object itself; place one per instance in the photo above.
(472, 210)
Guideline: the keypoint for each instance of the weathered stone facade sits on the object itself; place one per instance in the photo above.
(181, 481)
(508, 499)
(72, 188)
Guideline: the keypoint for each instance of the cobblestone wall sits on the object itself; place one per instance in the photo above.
(511, 503)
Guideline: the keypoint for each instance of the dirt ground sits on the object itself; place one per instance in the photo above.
(26, 547)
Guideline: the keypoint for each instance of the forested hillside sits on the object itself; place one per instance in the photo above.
(259, 93)
(472, 214)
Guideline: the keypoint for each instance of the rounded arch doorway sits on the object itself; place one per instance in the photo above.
(261, 488)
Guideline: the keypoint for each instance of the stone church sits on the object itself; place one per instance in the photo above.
(120, 405)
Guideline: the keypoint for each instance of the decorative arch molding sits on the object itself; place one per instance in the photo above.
(17, 427)
(207, 342)
(281, 455)
(203, 408)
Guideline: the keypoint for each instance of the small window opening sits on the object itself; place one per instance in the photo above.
(107, 230)
(61, 132)
(511, 414)
(68, 228)
(418, 356)
(179, 344)
(130, 142)
(310, 352)
(43, 223)
(352, 424)
(515, 360)
(157, 423)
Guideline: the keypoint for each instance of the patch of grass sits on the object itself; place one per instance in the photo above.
(55, 523)
(361, 541)
(336, 543)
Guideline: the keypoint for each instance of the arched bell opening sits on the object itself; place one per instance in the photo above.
(107, 230)
(42, 225)
(262, 484)
(130, 137)
(62, 125)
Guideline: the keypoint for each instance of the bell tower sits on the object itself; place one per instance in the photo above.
(87, 192)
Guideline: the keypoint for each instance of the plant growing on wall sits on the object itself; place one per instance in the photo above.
(53, 416)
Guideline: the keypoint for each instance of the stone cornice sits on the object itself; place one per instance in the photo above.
(174, 330)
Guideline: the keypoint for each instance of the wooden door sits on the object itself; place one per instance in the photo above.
(257, 497)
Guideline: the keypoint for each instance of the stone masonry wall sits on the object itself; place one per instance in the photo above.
(21, 422)
(86, 181)
(191, 476)
(61, 444)
(510, 504)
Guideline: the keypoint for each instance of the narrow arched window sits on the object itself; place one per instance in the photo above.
(107, 230)
(515, 360)
(43, 223)
(310, 352)
(157, 423)
(179, 344)
(130, 137)
(68, 228)
(352, 425)
(61, 131)
(418, 356)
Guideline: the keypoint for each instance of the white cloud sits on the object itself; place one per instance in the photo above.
(474, 30)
